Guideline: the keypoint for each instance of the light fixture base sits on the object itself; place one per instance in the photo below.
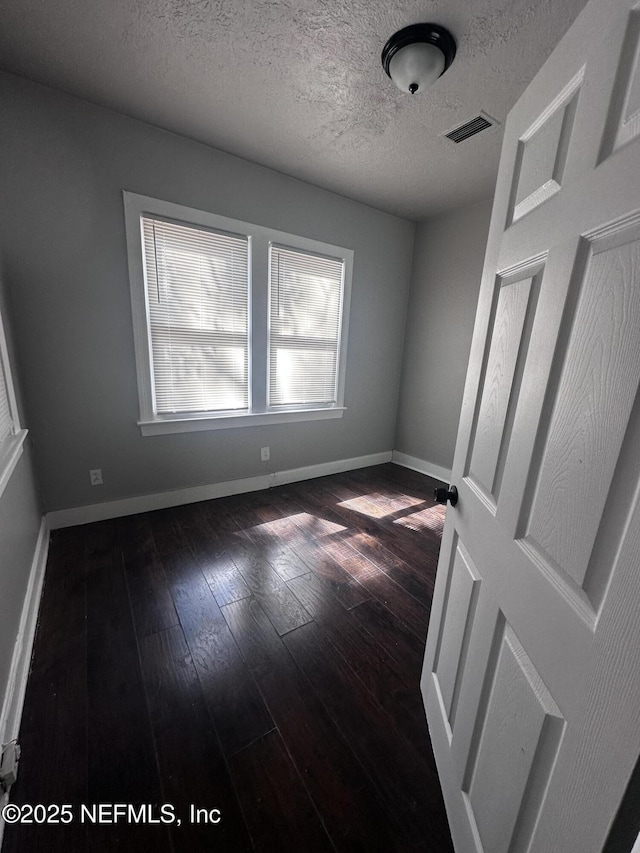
(432, 34)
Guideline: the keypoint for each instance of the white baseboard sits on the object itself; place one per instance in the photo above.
(294, 475)
(21, 659)
(13, 700)
(428, 468)
(160, 500)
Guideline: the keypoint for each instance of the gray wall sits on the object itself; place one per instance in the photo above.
(63, 166)
(19, 527)
(447, 269)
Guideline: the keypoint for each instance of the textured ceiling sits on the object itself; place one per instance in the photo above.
(298, 85)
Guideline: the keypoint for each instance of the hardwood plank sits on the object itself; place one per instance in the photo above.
(382, 506)
(403, 478)
(62, 616)
(53, 731)
(214, 560)
(355, 564)
(411, 611)
(392, 478)
(279, 603)
(53, 764)
(224, 515)
(396, 639)
(151, 602)
(344, 587)
(416, 544)
(284, 559)
(274, 517)
(136, 537)
(429, 522)
(417, 584)
(409, 535)
(170, 679)
(192, 767)
(320, 509)
(280, 681)
(230, 693)
(168, 533)
(397, 530)
(276, 806)
(405, 779)
(367, 658)
(352, 811)
(303, 526)
(260, 522)
(325, 496)
(191, 516)
(371, 557)
(302, 531)
(121, 766)
(298, 531)
(339, 488)
(226, 582)
(121, 759)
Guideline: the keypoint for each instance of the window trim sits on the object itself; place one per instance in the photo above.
(260, 239)
(12, 447)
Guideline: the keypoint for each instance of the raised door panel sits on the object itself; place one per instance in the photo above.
(515, 303)
(515, 741)
(591, 396)
(461, 597)
(623, 125)
(542, 153)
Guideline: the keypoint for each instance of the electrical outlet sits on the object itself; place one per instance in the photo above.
(265, 454)
(95, 476)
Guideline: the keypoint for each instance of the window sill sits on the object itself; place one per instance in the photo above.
(163, 426)
(10, 453)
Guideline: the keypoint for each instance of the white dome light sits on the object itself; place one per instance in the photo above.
(416, 56)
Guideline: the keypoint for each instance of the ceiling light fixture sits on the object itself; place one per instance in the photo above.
(417, 55)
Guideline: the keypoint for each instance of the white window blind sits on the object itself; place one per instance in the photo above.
(6, 420)
(305, 307)
(197, 300)
(235, 324)
(11, 435)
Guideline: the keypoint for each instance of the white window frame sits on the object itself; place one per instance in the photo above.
(11, 448)
(260, 240)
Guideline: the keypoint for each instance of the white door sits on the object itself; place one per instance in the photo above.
(531, 678)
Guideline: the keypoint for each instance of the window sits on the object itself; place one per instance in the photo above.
(11, 436)
(197, 301)
(234, 324)
(305, 298)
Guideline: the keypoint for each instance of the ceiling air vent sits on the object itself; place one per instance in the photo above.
(470, 128)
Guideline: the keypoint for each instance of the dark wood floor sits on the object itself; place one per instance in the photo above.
(259, 655)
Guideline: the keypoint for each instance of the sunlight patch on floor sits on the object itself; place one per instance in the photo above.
(300, 525)
(427, 519)
(377, 505)
(353, 562)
